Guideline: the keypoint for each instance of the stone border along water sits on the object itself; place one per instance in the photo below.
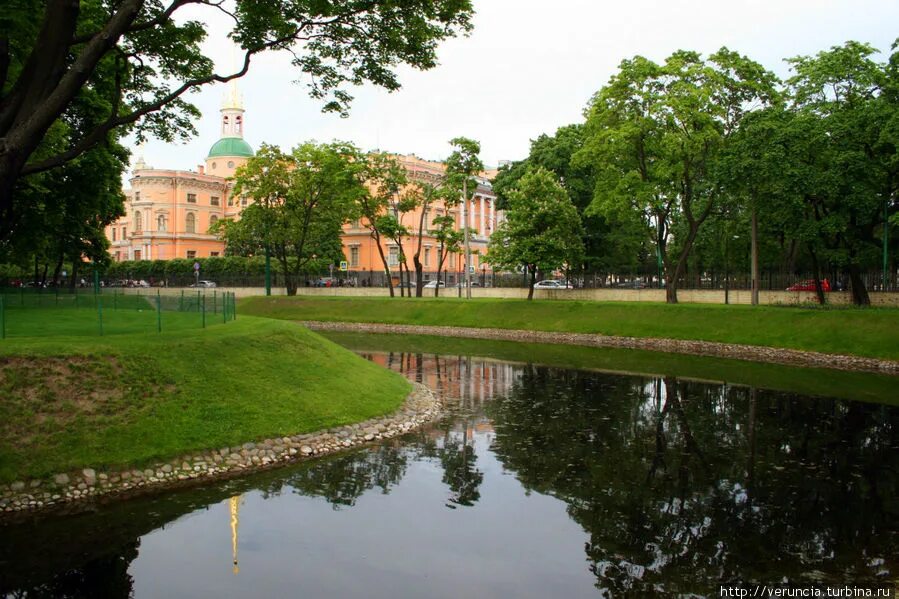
(755, 353)
(70, 489)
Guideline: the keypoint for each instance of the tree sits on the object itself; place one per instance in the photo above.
(542, 230)
(461, 167)
(300, 202)
(653, 135)
(449, 241)
(386, 178)
(136, 61)
(848, 110)
(425, 195)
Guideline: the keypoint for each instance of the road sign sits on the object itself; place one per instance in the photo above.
(196, 266)
(343, 265)
(471, 269)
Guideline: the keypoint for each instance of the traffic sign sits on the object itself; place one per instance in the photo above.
(343, 265)
(196, 266)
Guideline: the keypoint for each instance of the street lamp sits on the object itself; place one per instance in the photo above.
(727, 239)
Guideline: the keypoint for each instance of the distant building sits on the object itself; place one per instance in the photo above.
(168, 212)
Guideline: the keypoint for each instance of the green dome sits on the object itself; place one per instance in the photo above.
(230, 146)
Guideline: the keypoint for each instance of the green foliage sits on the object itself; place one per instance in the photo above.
(100, 66)
(654, 134)
(542, 230)
(300, 202)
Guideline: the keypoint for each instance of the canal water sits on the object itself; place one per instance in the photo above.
(540, 482)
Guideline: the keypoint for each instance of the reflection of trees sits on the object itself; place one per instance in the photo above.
(681, 482)
(341, 480)
(458, 459)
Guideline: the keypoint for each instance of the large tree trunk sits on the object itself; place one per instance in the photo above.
(860, 295)
(531, 282)
(386, 266)
(419, 275)
(754, 266)
(816, 273)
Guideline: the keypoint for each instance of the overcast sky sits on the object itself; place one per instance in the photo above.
(529, 67)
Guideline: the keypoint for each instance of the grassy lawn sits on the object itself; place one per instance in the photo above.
(862, 332)
(877, 388)
(77, 401)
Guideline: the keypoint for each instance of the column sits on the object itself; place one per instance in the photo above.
(492, 215)
(483, 230)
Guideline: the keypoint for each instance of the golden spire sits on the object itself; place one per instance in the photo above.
(235, 521)
(233, 99)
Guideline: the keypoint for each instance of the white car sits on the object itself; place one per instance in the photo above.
(208, 284)
(550, 284)
(434, 284)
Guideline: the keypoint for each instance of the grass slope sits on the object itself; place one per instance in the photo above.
(863, 332)
(72, 402)
(858, 386)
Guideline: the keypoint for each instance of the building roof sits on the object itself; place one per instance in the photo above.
(230, 146)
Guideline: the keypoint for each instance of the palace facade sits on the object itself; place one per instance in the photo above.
(168, 212)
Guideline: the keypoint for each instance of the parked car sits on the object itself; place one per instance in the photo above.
(206, 284)
(636, 284)
(809, 285)
(434, 285)
(551, 284)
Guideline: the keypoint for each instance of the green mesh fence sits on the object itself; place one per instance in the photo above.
(29, 312)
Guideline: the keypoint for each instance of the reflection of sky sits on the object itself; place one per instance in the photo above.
(405, 544)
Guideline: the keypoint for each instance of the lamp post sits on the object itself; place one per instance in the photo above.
(727, 239)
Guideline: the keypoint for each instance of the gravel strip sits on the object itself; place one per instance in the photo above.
(734, 351)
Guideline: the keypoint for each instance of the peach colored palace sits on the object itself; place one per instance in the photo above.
(169, 212)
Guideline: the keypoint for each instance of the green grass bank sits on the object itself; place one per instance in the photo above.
(817, 382)
(872, 333)
(123, 400)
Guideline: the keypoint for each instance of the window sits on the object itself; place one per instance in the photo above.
(124, 233)
(212, 220)
(118, 255)
(137, 255)
(214, 201)
(191, 254)
(393, 257)
(191, 198)
(161, 224)
(427, 256)
(190, 223)
(243, 201)
(230, 164)
(113, 233)
(213, 254)
(137, 196)
(230, 200)
(138, 222)
(354, 255)
(213, 166)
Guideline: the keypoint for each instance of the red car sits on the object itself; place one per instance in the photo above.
(809, 285)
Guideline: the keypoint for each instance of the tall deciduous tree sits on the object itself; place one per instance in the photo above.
(449, 241)
(300, 202)
(848, 108)
(542, 230)
(425, 195)
(386, 179)
(139, 57)
(653, 135)
(461, 167)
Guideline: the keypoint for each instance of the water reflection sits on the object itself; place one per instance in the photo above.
(663, 486)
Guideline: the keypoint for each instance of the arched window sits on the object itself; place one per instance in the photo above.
(138, 222)
(190, 223)
(212, 220)
(238, 122)
(161, 224)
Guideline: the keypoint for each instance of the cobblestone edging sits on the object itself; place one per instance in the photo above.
(420, 407)
(734, 351)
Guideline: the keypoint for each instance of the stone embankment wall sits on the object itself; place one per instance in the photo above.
(68, 488)
(735, 351)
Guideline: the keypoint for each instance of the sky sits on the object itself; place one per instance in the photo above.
(529, 67)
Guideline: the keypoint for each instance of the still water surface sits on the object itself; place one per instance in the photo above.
(540, 482)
